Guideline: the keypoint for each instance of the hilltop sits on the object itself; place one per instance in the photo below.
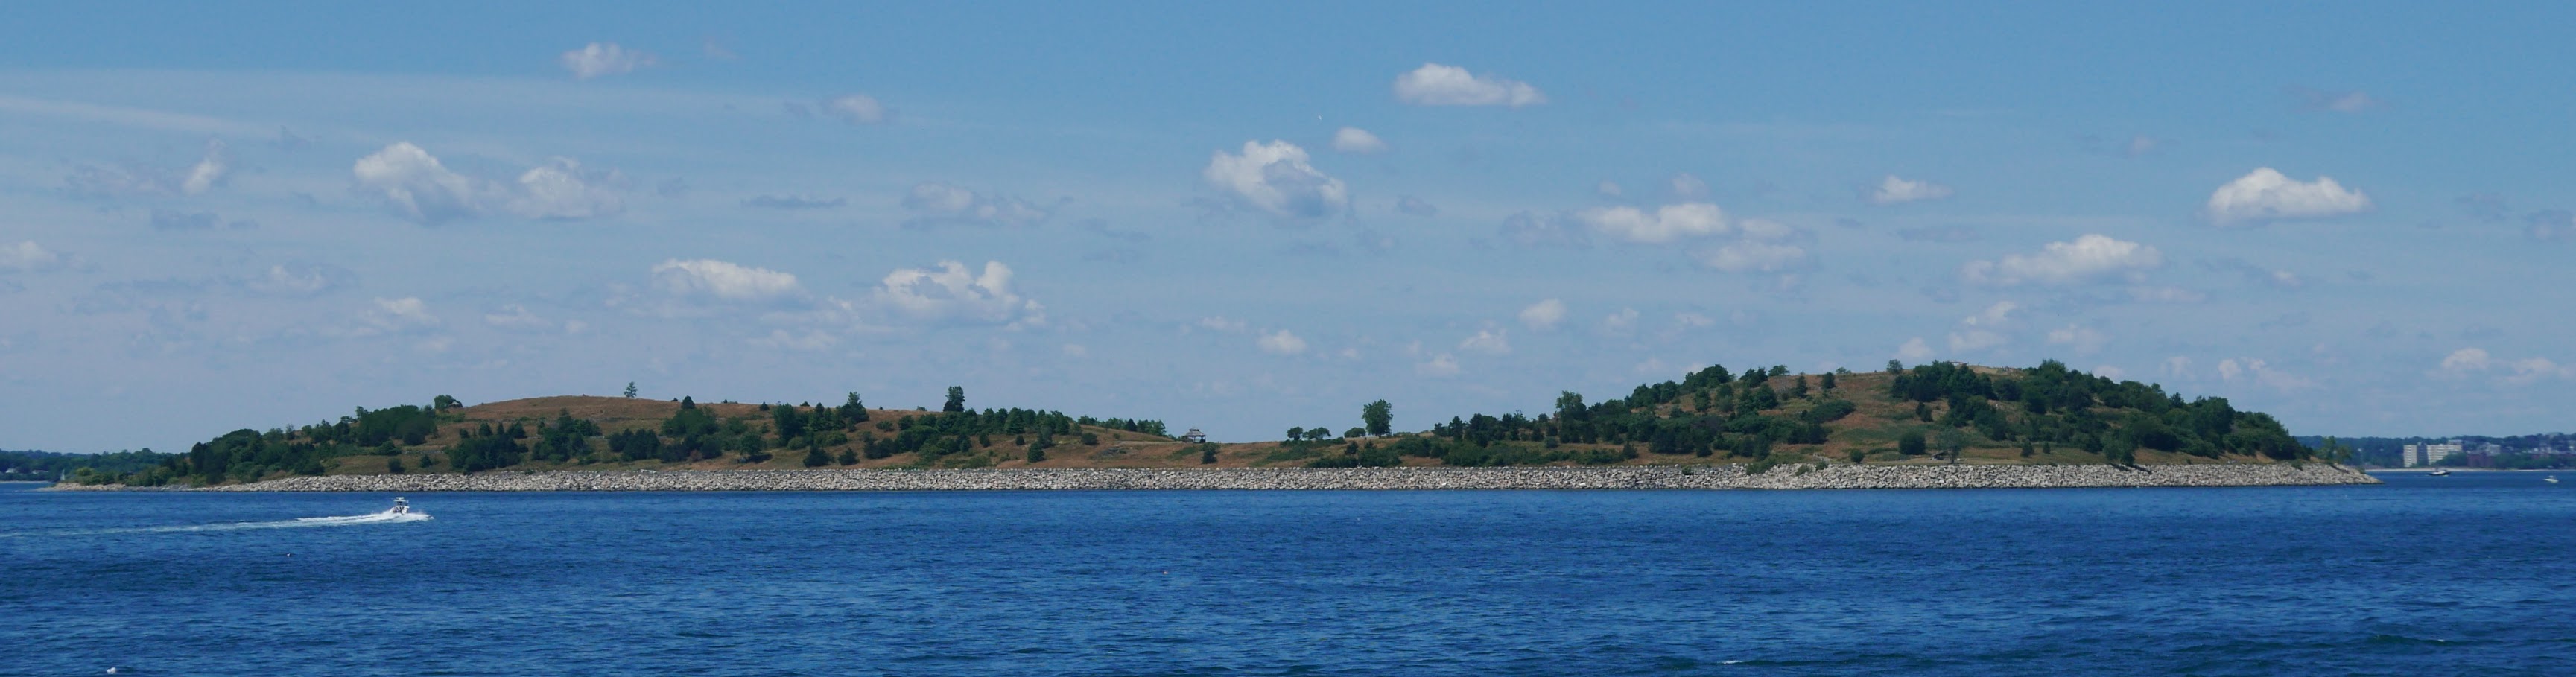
(1942, 413)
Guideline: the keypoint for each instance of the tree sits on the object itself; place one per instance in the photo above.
(443, 403)
(630, 390)
(1379, 417)
(1910, 443)
(853, 410)
(956, 399)
(815, 458)
(1829, 382)
(1354, 432)
(1895, 367)
(394, 465)
(1295, 434)
(1037, 453)
(1953, 443)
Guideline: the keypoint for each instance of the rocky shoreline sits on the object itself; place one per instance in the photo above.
(1553, 477)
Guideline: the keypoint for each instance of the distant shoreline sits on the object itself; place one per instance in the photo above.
(1843, 476)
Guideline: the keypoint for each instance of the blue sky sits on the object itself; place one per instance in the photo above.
(1249, 218)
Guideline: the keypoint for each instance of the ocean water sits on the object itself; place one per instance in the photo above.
(2466, 575)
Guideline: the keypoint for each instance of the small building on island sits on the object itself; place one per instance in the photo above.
(1194, 436)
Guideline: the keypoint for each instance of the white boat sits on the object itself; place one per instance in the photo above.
(401, 507)
(2552, 479)
(2444, 472)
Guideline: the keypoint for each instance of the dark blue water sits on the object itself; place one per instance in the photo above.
(2463, 575)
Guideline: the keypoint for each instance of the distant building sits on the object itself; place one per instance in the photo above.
(1193, 436)
(2415, 455)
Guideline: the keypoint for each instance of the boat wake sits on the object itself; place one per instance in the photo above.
(386, 517)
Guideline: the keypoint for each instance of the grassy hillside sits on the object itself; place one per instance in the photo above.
(1936, 413)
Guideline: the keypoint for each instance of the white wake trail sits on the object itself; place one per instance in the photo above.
(386, 517)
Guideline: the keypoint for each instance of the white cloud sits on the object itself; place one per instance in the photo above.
(724, 281)
(561, 189)
(299, 280)
(1543, 315)
(940, 203)
(2110, 372)
(1438, 85)
(1689, 187)
(209, 171)
(1690, 319)
(2467, 362)
(2175, 366)
(2262, 374)
(417, 186)
(27, 256)
(2083, 340)
(1608, 189)
(392, 316)
(1622, 322)
(1275, 178)
(1220, 323)
(2145, 294)
(1489, 341)
(1750, 255)
(1667, 224)
(1441, 366)
(1914, 350)
(1985, 329)
(1893, 190)
(2266, 195)
(2087, 259)
(1357, 141)
(857, 109)
(604, 58)
(420, 188)
(809, 339)
(515, 317)
(2354, 101)
(953, 293)
(1281, 343)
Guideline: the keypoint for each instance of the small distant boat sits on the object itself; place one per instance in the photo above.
(2552, 479)
(401, 507)
(2444, 472)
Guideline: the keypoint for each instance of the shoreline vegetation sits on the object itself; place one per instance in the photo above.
(1761, 422)
(1811, 476)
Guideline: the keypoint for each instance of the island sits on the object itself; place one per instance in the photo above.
(1938, 425)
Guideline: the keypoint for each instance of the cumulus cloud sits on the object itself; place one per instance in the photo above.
(1753, 255)
(2090, 258)
(2260, 373)
(299, 280)
(709, 279)
(2265, 195)
(1281, 343)
(954, 293)
(27, 256)
(1276, 178)
(416, 186)
(1984, 329)
(1620, 323)
(1530, 229)
(1438, 85)
(2468, 362)
(1440, 366)
(604, 58)
(856, 109)
(937, 204)
(2081, 339)
(1893, 190)
(208, 172)
(1664, 225)
(1357, 141)
(1543, 315)
(1416, 206)
(211, 171)
(396, 316)
(1689, 187)
(1490, 341)
(562, 190)
(1915, 350)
